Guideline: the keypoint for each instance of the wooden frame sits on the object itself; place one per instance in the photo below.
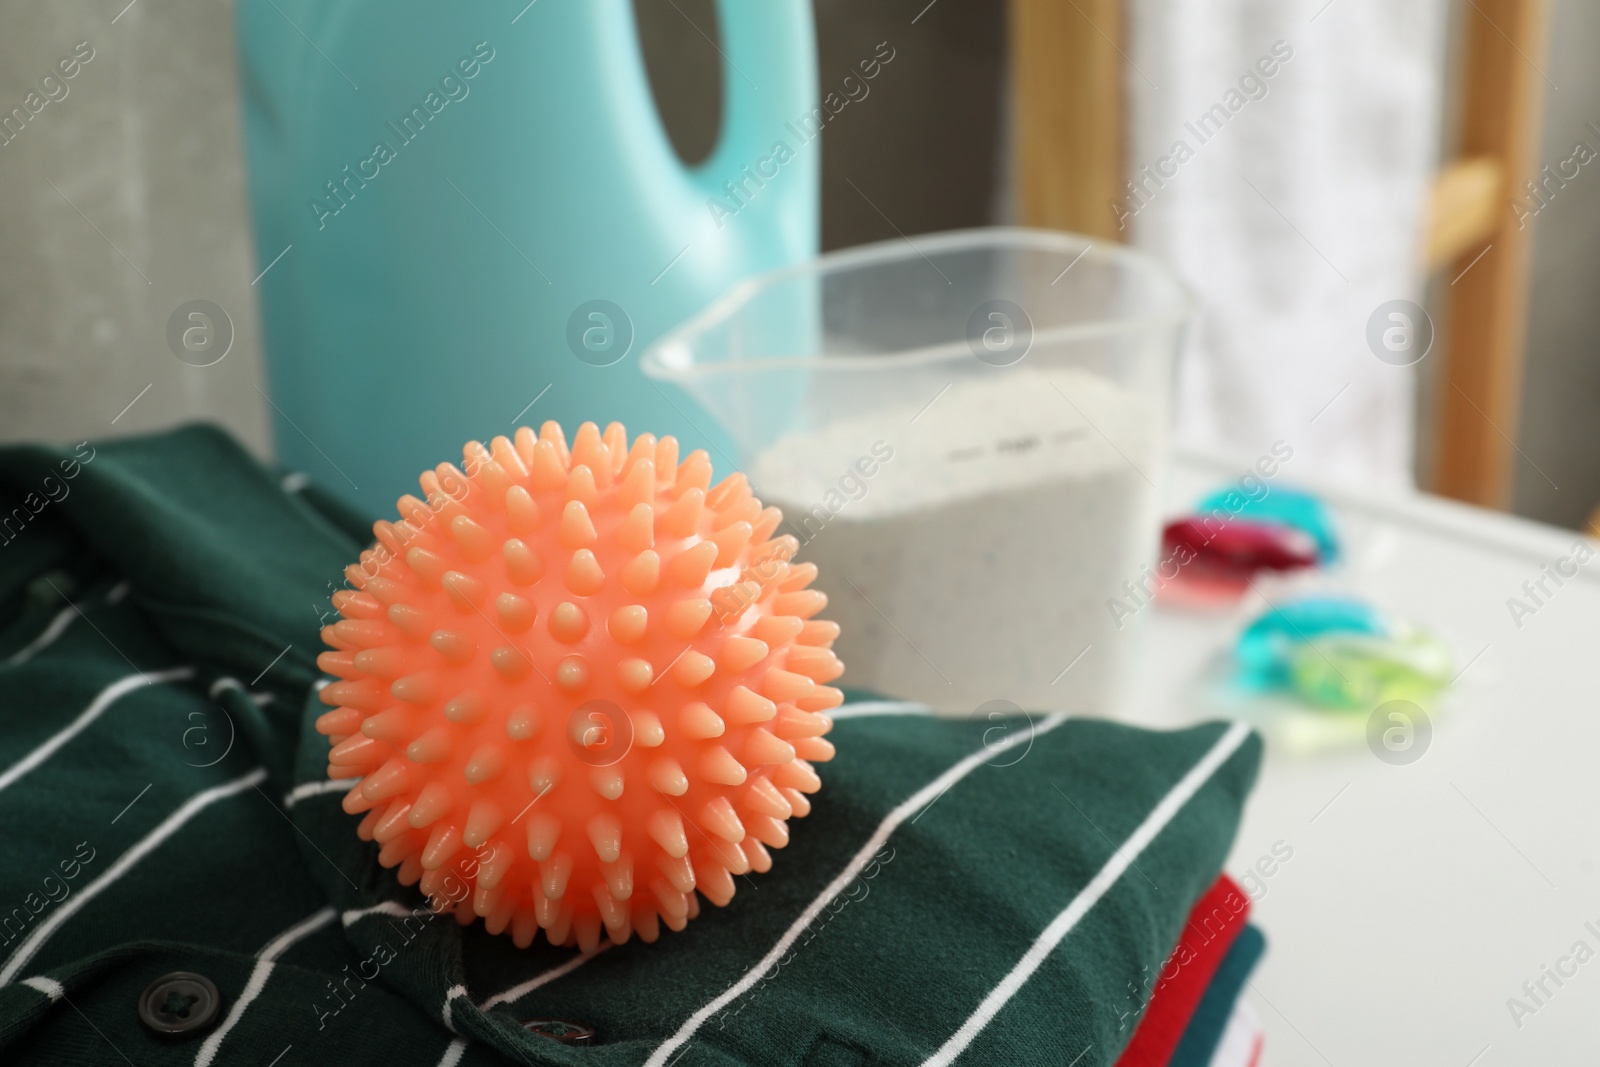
(1067, 113)
(1068, 70)
(1481, 380)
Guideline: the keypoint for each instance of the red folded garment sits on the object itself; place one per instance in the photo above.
(1174, 993)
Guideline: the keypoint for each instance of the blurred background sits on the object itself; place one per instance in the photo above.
(1387, 156)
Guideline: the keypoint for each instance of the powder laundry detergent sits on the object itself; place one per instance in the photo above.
(974, 564)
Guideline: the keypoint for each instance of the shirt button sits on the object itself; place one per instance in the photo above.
(568, 1033)
(179, 1003)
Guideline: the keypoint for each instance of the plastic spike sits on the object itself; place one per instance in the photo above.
(637, 531)
(746, 511)
(639, 487)
(665, 828)
(483, 819)
(608, 782)
(550, 430)
(778, 629)
(414, 622)
(505, 453)
(454, 646)
(647, 731)
(568, 623)
(818, 664)
(744, 707)
(485, 764)
(465, 707)
(687, 617)
(644, 448)
(524, 566)
(682, 518)
(522, 722)
(666, 776)
(821, 632)
(572, 673)
(584, 576)
(739, 654)
(814, 748)
(516, 613)
(522, 512)
(804, 603)
(642, 573)
(730, 490)
(763, 798)
(581, 486)
(767, 524)
(628, 624)
(547, 469)
(697, 722)
(435, 746)
(577, 529)
(395, 724)
(731, 540)
(616, 439)
(588, 450)
(544, 830)
(718, 767)
(691, 566)
(692, 669)
(387, 662)
(635, 675)
(667, 456)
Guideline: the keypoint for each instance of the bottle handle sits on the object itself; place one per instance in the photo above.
(769, 77)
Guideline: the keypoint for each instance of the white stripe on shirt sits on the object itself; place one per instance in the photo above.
(57, 627)
(912, 804)
(312, 789)
(862, 708)
(169, 826)
(517, 992)
(1089, 895)
(450, 996)
(48, 986)
(97, 707)
(227, 681)
(300, 930)
(388, 907)
(258, 979)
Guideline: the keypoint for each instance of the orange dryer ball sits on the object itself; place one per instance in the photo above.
(579, 686)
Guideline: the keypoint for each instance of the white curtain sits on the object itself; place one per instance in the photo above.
(1289, 149)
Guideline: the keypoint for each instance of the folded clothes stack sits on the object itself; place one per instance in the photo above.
(1195, 1016)
(180, 883)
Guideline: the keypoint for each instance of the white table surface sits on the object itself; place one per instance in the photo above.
(1419, 898)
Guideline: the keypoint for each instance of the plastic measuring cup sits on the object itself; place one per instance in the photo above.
(966, 432)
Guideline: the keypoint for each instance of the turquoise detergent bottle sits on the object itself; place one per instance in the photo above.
(469, 217)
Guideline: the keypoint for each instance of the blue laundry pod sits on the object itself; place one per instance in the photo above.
(1266, 648)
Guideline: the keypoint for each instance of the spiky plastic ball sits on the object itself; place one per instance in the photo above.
(579, 686)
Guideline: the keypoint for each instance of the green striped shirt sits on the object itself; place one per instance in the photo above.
(962, 892)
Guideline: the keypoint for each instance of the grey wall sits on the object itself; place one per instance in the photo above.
(122, 200)
(1560, 427)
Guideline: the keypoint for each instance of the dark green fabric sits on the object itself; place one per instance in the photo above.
(230, 575)
(1210, 1018)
